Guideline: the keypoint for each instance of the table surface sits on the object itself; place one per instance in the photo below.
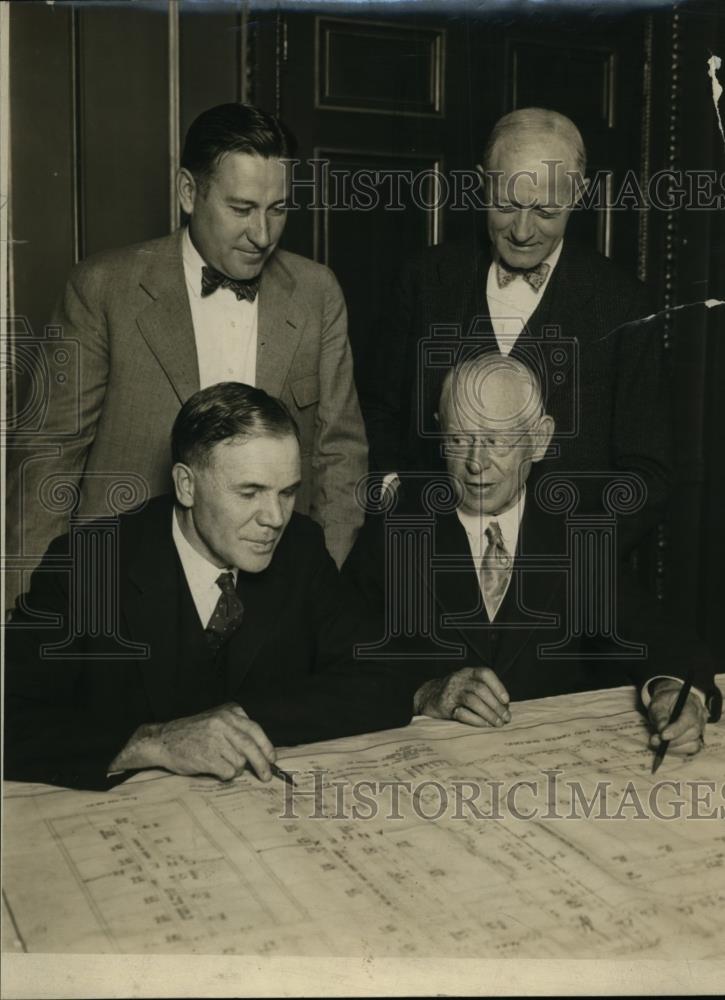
(547, 838)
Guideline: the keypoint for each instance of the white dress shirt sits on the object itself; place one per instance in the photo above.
(511, 307)
(225, 329)
(201, 575)
(475, 526)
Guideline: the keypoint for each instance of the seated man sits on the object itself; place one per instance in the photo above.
(232, 632)
(503, 613)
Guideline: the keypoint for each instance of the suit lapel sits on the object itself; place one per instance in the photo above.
(455, 301)
(571, 289)
(566, 299)
(462, 279)
(263, 596)
(166, 323)
(456, 590)
(535, 594)
(280, 325)
(150, 602)
(167, 326)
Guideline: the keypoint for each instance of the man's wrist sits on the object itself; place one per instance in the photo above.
(420, 697)
(144, 749)
(664, 682)
(424, 697)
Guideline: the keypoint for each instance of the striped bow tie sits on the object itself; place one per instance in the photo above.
(535, 276)
(211, 279)
(496, 570)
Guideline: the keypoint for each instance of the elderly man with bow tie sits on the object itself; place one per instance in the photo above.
(524, 287)
(216, 301)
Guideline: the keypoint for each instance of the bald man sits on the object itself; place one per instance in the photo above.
(471, 607)
(525, 288)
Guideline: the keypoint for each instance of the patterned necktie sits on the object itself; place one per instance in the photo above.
(496, 568)
(228, 613)
(535, 277)
(211, 279)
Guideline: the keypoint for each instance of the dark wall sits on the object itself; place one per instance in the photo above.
(99, 95)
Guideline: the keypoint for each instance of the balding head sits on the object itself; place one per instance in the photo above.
(527, 125)
(533, 174)
(491, 390)
(492, 413)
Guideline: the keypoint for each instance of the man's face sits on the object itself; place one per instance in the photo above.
(237, 506)
(531, 200)
(489, 483)
(238, 213)
(489, 447)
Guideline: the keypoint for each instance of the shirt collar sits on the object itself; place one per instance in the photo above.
(199, 572)
(509, 522)
(553, 259)
(193, 263)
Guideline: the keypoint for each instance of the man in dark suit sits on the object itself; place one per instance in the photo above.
(527, 289)
(215, 301)
(491, 596)
(232, 631)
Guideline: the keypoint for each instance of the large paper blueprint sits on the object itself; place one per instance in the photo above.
(169, 864)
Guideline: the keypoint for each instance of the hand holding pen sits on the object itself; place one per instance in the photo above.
(678, 718)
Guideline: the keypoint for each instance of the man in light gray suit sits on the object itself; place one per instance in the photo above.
(216, 301)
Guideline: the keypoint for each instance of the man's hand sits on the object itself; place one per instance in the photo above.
(220, 741)
(685, 735)
(473, 695)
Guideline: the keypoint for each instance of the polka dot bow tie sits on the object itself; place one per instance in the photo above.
(228, 613)
(535, 276)
(211, 279)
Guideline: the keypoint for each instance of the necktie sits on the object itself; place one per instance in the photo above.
(496, 568)
(228, 612)
(211, 279)
(535, 276)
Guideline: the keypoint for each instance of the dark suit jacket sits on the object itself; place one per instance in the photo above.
(126, 317)
(611, 404)
(533, 614)
(290, 664)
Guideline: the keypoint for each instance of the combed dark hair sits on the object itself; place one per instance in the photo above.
(233, 128)
(223, 411)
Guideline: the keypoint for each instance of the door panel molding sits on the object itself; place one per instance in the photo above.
(430, 104)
